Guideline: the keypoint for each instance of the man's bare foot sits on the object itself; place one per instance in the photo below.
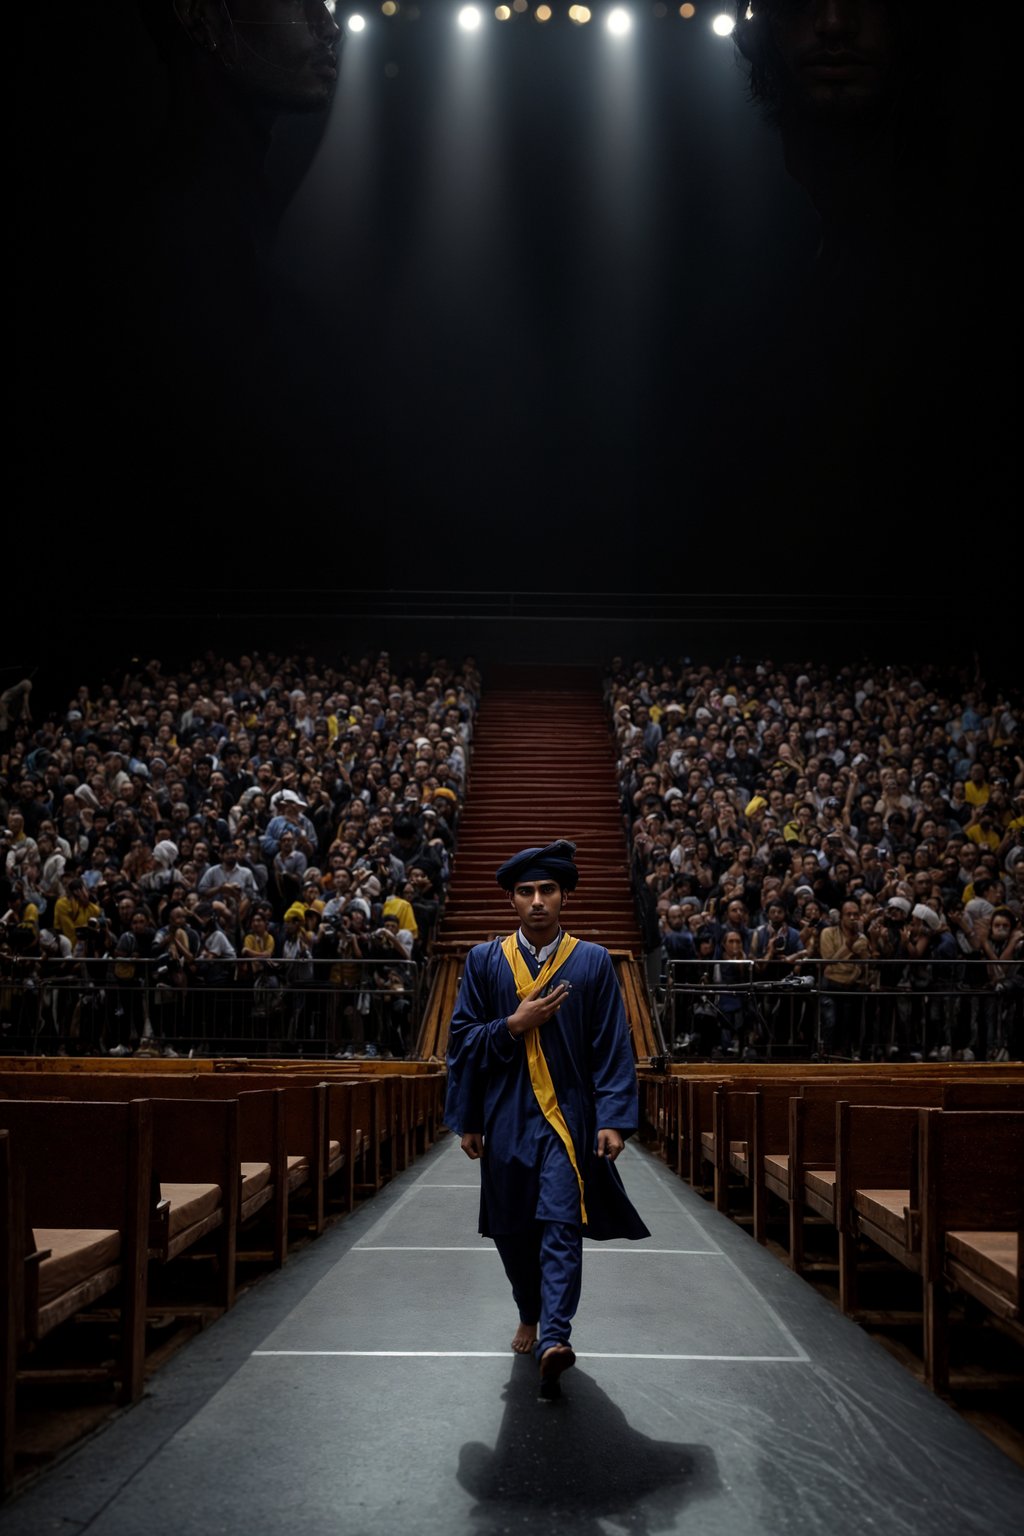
(524, 1338)
(552, 1363)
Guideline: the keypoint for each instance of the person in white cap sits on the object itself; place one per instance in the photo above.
(288, 808)
(927, 940)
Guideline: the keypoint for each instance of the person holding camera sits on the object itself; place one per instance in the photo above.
(776, 949)
(91, 948)
(337, 941)
(844, 947)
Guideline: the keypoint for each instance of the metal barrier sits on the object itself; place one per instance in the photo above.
(907, 1009)
(85, 1007)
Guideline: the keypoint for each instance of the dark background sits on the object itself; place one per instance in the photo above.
(535, 294)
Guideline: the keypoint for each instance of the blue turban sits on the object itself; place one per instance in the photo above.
(555, 862)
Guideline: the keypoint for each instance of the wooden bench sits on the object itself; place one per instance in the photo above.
(262, 1154)
(86, 1173)
(665, 1099)
(813, 1135)
(305, 1133)
(774, 1113)
(876, 1193)
(971, 1189)
(196, 1164)
(11, 1222)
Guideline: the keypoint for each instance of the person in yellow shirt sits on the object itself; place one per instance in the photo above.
(984, 832)
(258, 944)
(976, 788)
(73, 910)
(845, 948)
(397, 906)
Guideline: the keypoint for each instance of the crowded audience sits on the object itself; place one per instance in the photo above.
(827, 860)
(250, 851)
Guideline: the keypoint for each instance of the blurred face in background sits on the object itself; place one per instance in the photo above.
(838, 55)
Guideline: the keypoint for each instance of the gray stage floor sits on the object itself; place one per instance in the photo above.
(367, 1389)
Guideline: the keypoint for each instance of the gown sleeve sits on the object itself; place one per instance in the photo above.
(614, 1071)
(477, 1046)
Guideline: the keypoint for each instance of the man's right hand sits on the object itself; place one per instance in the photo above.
(473, 1145)
(535, 1010)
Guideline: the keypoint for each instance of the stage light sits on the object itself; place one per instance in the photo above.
(503, 13)
(519, 6)
(723, 25)
(469, 18)
(579, 14)
(687, 11)
(389, 8)
(543, 13)
(356, 24)
(619, 22)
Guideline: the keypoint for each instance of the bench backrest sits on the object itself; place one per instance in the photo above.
(972, 1169)
(260, 1112)
(812, 1118)
(876, 1148)
(83, 1164)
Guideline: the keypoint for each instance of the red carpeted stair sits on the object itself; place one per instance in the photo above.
(543, 767)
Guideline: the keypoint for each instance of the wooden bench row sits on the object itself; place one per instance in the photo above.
(189, 1067)
(882, 1161)
(109, 1177)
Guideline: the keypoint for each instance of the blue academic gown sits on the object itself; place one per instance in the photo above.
(525, 1174)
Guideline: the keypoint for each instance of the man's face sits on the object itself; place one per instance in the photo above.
(280, 52)
(537, 904)
(838, 55)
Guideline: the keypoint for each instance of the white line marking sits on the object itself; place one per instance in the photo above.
(707, 1253)
(503, 1354)
(448, 1186)
(386, 1217)
(704, 1253)
(662, 1176)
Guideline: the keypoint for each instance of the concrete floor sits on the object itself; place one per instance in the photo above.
(367, 1389)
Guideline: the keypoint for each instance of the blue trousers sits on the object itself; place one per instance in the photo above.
(545, 1269)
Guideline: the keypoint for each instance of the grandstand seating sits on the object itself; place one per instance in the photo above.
(924, 1167)
(107, 1177)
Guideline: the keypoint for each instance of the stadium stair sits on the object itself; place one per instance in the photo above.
(543, 767)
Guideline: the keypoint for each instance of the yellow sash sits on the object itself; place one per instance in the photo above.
(540, 1076)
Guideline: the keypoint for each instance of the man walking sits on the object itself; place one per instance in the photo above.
(542, 1089)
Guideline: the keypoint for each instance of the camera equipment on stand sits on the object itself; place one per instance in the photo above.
(705, 1009)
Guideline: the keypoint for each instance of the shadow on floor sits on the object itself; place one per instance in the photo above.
(576, 1462)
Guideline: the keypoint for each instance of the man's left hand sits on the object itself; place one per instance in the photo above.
(609, 1144)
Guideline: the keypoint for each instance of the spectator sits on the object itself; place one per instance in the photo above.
(852, 790)
(267, 759)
